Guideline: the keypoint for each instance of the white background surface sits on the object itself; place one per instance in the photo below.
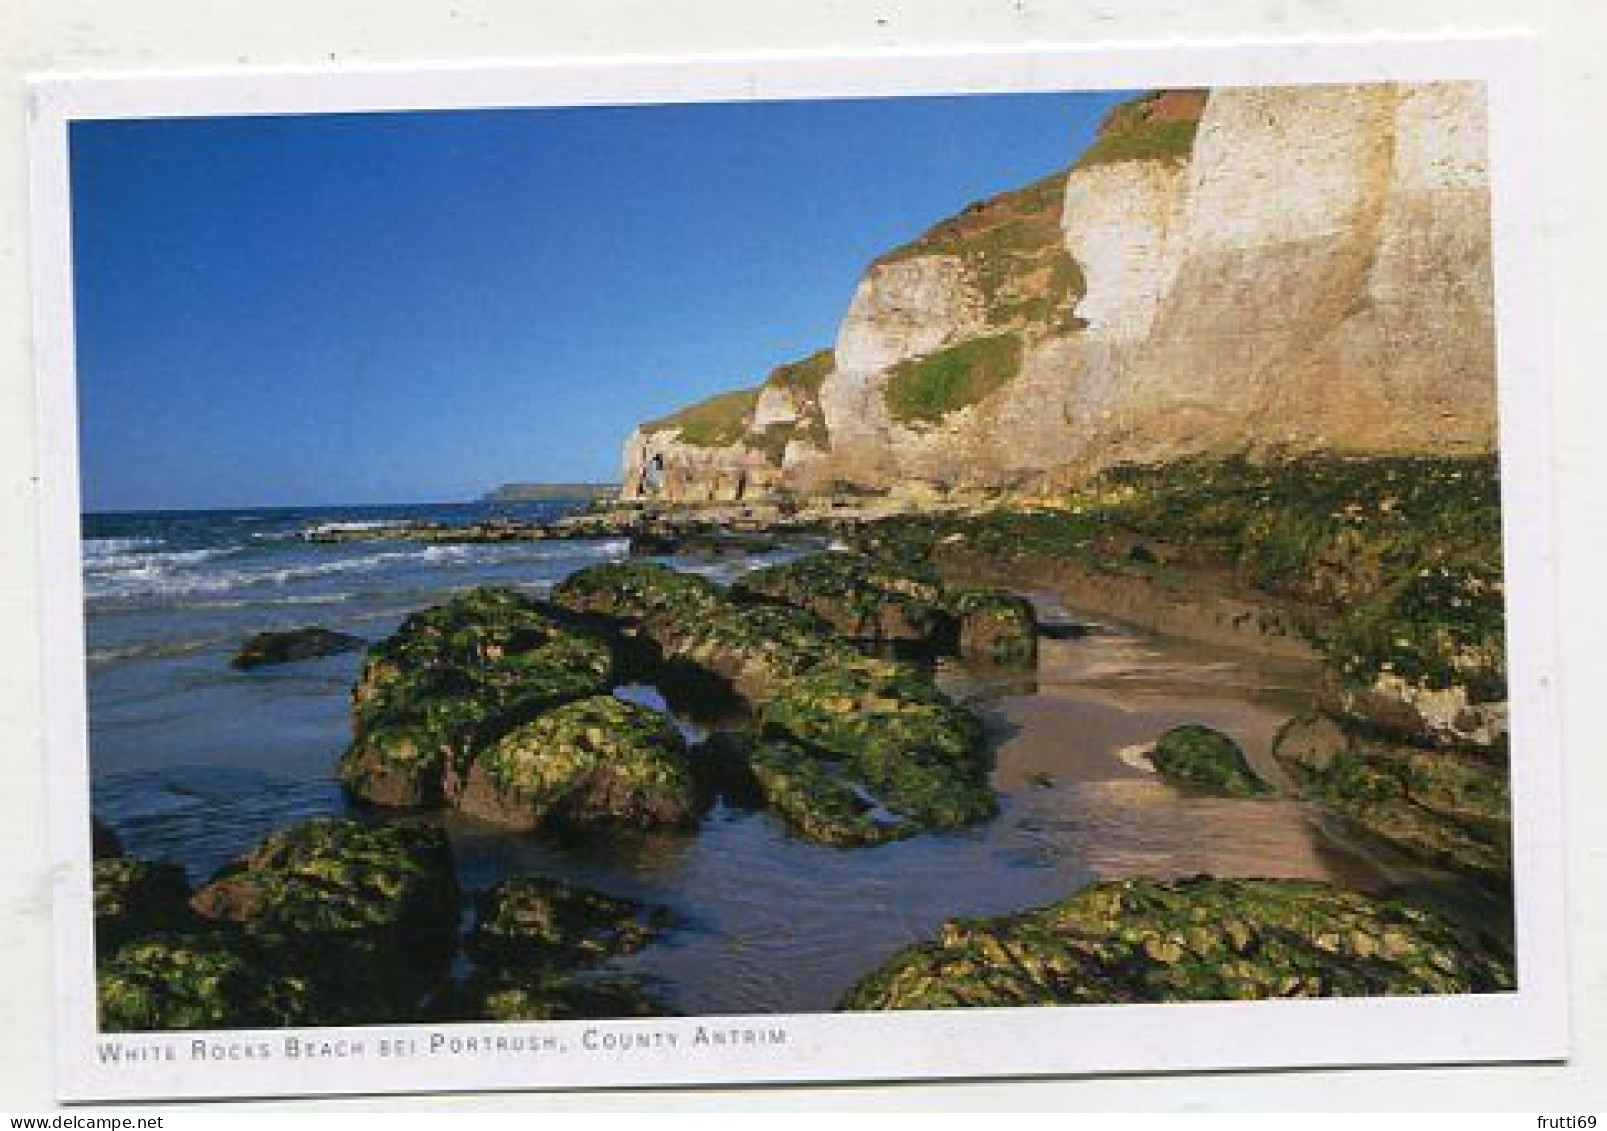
(86, 35)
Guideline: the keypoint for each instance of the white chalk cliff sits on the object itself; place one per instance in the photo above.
(1260, 270)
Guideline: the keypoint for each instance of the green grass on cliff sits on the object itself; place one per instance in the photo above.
(925, 389)
(802, 380)
(1158, 126)
(1151, 142)
(1014, 253)
(725, 419)
(714, 423)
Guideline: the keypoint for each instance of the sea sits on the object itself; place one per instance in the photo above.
(194, 761)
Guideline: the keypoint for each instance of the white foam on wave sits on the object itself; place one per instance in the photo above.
(95, 548)
(225, 603)
(151, 562)
(351, 527)
(176, 573)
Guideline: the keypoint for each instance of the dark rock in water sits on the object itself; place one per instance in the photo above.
(138, 897)
(597, 761)
(104, 843)
(527, 918)
(857, 596)
(704, 545)
(294, 644)
(539, 993)
(454, 679)
(366, 913)
(919, 751)
(996, 626)
(1207, 759)
(819, 805)
(1190, 940)
(1452, 809)
(212, 980)
(651, 544)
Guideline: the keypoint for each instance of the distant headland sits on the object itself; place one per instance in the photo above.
(536, 492)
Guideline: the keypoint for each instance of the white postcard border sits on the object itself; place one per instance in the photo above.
(1529, 1024)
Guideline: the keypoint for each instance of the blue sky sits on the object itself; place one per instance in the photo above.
(418, 307)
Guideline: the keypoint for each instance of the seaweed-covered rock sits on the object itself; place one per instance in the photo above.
(1204, 758)
(996, 626)
(1451, 809)
(367, 912)
(599, 760)
(753, 650)
(873, 599)
(706, 545)
(1190, 940)
(540, 993)
(289, 645)
(696, 628)
(532, 917)
(197, 981)
(857, 596)
(819, 804)
(1424, 658)
(919, 751)
(455, 678)
(634, 591)
(138, 897)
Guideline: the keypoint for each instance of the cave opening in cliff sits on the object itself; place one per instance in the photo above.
(653, 476)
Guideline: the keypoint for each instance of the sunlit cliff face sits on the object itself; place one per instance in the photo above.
(1263, 270)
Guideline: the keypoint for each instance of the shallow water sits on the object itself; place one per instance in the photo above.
(195, 762)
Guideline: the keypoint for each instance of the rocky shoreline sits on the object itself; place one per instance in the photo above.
(500, 705)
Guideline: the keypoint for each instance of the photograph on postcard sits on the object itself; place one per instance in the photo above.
(792, 556)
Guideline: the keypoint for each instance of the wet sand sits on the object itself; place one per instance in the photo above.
(1071, 751)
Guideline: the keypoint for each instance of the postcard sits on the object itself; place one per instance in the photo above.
(762, 570)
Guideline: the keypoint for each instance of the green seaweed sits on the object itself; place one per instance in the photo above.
(595, 760)
(1449, 808)
(197, 981)
(365, 912)
(1205, 758)
(540, 993)
(818, 804)
(922, 753)
(526, 919)
(454, 678)
(1201, 939)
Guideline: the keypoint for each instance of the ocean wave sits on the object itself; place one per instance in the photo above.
(173, 574)
(95, 548)
(151, 562)
(224, 604)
